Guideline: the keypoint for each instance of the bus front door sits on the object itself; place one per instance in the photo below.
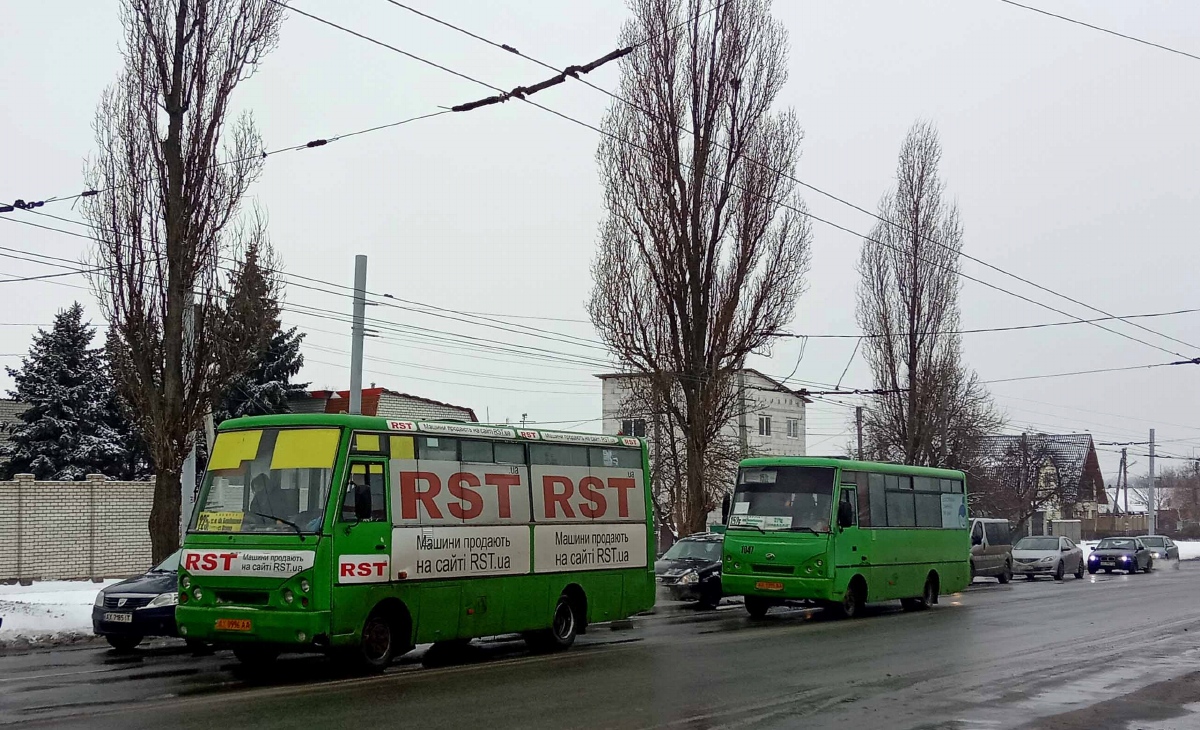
(362, 537)
(850, 548)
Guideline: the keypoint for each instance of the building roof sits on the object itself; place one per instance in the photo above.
(1073, 454)
(11, 410)
(776, 385)
(375, 400)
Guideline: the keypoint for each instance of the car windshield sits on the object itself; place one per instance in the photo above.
(170, 565)
(1154, 541)
(1114, 543)
(267, 480)
(1037, 543)
(694, 549)
(783, 498)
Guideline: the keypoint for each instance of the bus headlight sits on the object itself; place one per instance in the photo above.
(304, 585)
(186, 582)
(198, 594)
(288, 597)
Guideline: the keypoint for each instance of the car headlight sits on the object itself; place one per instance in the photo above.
(689, 578)
(1048, 559)
(162, 600)
(99, 599)
(1158, 555)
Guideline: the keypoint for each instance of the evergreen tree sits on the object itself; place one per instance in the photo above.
(254, 302)
(67, 432)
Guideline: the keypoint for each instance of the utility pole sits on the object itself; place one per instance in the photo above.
(1123, 477)
(743, 444)
(1152, 508)
(858, 427)
(357, 332)
(945, 436)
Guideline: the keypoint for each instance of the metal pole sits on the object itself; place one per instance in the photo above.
(1123, 477)
(1152, 508)
(357, 332)
(858, 427)
(743, 442)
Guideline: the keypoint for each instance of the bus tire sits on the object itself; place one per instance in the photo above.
(378, 640)
(852, 601)
(564, 627)
(253, 656)
(757, 607)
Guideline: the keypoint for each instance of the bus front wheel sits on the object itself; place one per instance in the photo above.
(852, 601)
(757, 607)
(377, 645)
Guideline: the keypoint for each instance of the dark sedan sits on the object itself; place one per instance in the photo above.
(127, 612)
(1120, 553)
(1162, 547)
(691, 569)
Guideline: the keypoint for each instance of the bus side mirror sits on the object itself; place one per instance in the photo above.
(725, 504)
(845, 515)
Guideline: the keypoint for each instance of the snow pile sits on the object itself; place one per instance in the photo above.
(47, 611)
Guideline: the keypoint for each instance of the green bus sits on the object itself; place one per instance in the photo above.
(844, 533)
(365, 536)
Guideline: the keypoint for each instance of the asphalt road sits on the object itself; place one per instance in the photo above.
(1103, 652)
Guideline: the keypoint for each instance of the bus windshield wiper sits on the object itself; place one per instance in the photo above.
(804, 529)
(289, 523)
(756, 527)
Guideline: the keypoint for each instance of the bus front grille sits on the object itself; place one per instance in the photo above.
(773, 569)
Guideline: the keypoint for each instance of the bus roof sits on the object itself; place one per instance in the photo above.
(432, 428)
(854, 465)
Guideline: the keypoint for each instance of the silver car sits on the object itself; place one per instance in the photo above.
(1047, 555)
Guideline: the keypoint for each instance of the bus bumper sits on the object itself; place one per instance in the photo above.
(775, 586)
(307, 629)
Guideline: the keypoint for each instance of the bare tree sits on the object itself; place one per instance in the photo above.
(668, 459)
(933, 409)
(703, 249)
(1016, 481)
(172, 171)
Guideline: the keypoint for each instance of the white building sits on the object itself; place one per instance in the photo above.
(775, 424)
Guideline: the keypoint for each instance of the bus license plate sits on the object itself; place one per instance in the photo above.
(119, 618)
(233, 624)
(764, 585)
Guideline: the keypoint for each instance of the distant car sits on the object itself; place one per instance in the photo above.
(1047, 555)
(991, 549)
(1161, 547)
(129, 611)
(691, 569)
(1120, 553)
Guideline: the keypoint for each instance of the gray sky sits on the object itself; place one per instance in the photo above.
(1071, 155)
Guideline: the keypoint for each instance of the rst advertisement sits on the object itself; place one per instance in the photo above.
(422, 553)
(562, 548)
(454, 493)
(259, 563)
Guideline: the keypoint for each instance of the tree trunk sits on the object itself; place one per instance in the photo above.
(696, 514)
(164, 515)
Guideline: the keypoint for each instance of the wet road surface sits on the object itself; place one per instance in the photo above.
(1103, 652)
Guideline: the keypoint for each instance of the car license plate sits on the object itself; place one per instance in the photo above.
(119, 618)
(764, 585)
(233, 624)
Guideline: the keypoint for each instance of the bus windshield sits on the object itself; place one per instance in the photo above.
(783, 498)
(273, 480)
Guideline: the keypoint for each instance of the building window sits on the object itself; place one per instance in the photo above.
(764, 425)
(634, 427)
(793, 428)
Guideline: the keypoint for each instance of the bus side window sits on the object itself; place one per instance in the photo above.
(847, 508)
(864, 500)
(365, 496)
(878, 500)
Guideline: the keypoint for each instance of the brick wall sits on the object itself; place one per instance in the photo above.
(62, 530)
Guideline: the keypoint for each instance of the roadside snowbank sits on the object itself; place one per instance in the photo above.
(47, 612)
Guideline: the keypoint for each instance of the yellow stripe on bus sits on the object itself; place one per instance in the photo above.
(234, 447)
(305, 448)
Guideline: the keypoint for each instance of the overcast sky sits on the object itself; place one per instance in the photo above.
(1071, 154)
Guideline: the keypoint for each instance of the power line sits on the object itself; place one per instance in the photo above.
(1195, 361)
(1109, 31)
(827, 194)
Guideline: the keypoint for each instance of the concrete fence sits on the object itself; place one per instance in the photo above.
(69, 530)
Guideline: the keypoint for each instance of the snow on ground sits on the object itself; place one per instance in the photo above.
(47, 610)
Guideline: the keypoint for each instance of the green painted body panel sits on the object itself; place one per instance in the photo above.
(893, 561)
(439, 610)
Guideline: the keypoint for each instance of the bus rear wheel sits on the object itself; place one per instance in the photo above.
(564, 627)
